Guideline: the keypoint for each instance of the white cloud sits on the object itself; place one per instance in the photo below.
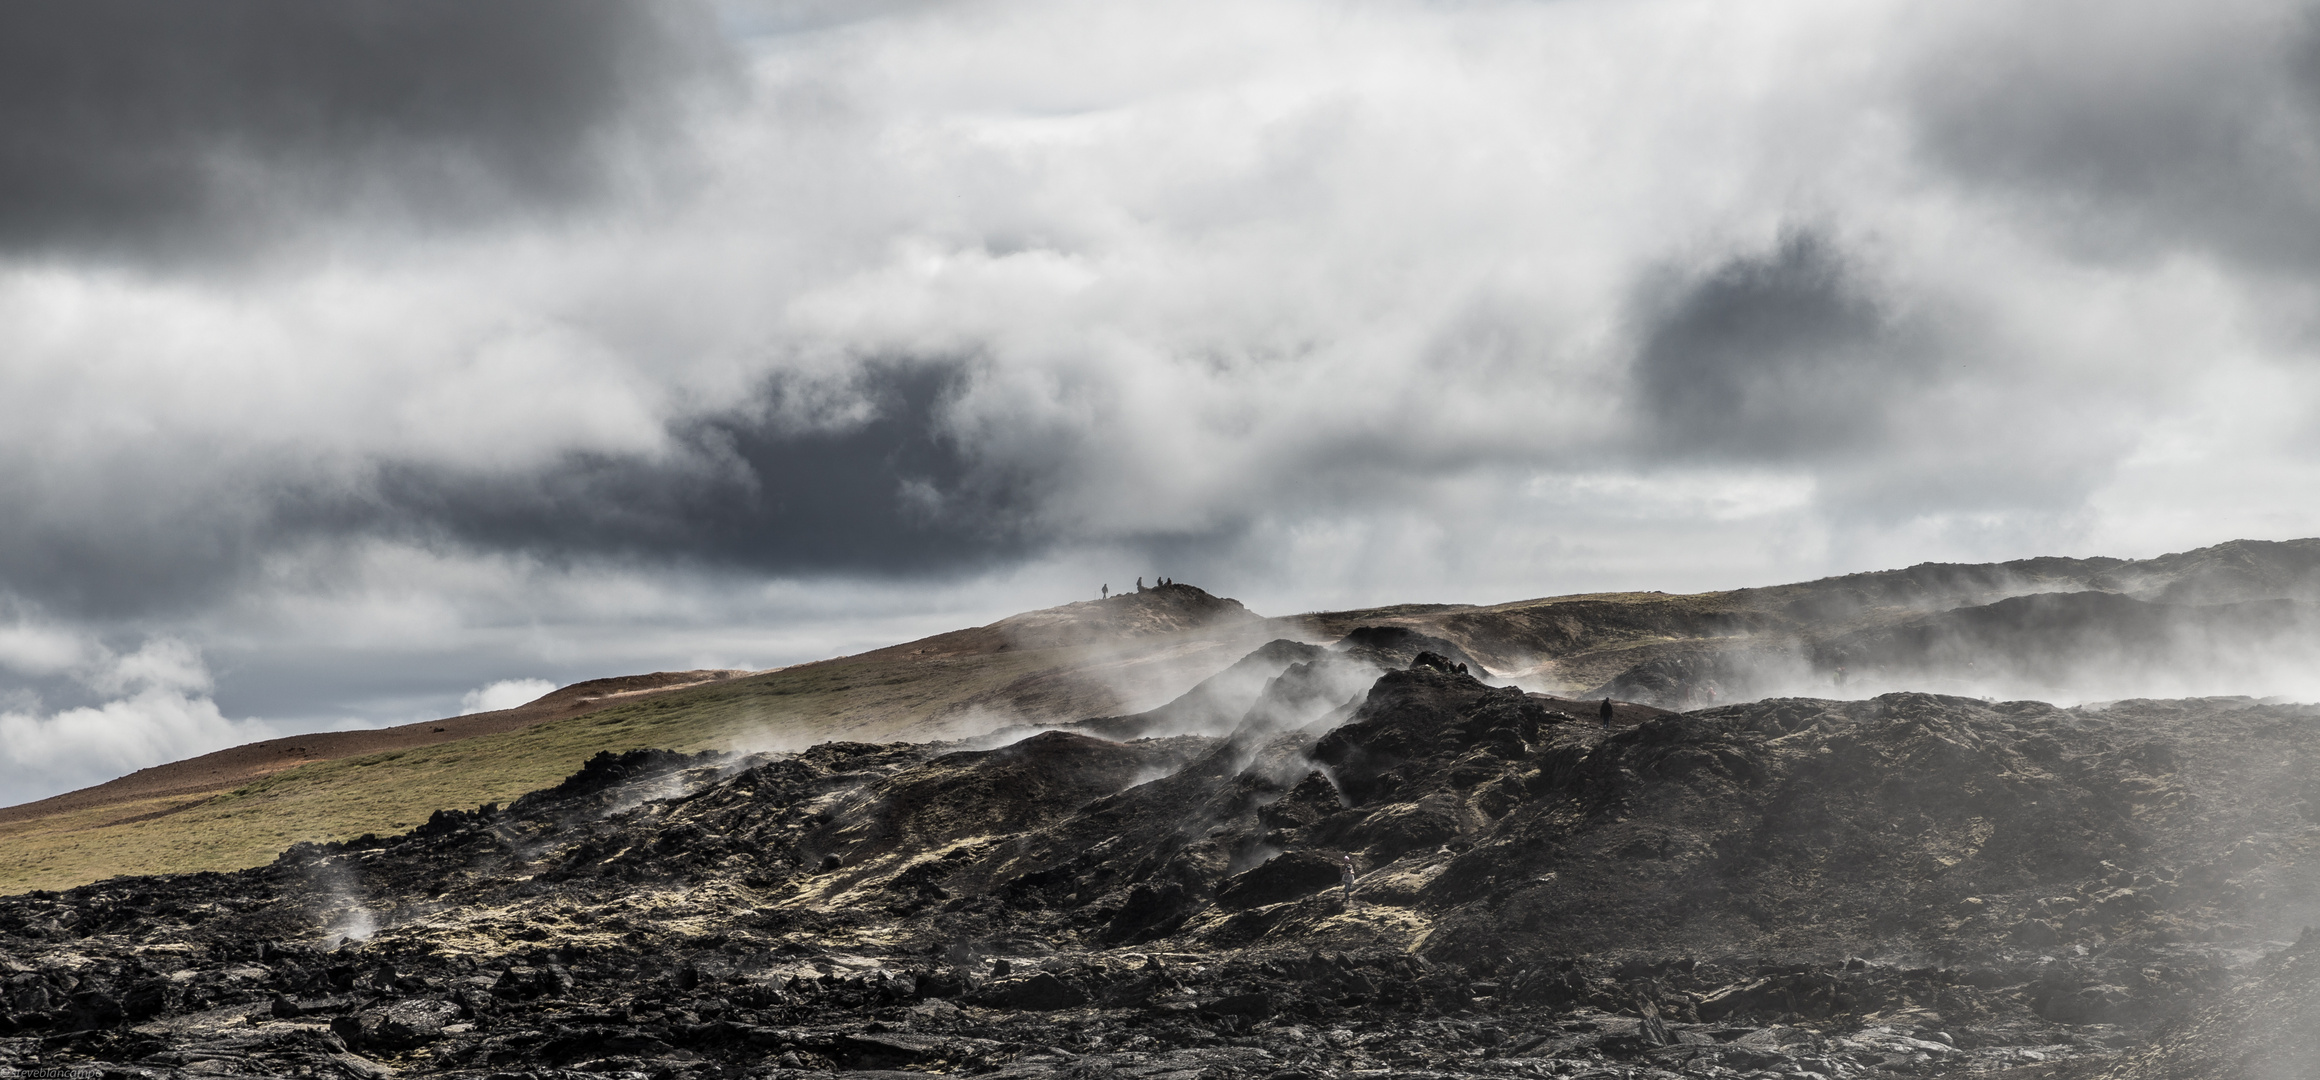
(504, 694)
(154, 712)
(159, 664)
(148, 727)
(33, 649)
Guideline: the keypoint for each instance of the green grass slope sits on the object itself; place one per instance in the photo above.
(957, 685)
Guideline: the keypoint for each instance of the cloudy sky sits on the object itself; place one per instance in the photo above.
(364, 361)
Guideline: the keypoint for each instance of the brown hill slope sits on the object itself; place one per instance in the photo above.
(234, 766)
(1077, 660)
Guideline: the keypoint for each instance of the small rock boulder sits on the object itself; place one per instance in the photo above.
(400, 1026)
(886, 1050)
(1253, 1006)
(1040, 992)
(1284, 877)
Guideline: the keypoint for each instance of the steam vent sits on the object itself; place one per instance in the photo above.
(1834, 829)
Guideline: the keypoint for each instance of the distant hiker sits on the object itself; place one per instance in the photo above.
(1605, 712)
(1345, 878)
(1139, 584)
(1107, 594)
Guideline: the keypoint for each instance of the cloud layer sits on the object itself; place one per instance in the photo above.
(378, 352)
(143, 129)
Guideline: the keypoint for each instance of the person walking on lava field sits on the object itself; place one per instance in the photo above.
(1345, 878)
(1605, 712)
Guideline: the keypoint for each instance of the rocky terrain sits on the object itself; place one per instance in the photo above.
(2233, 618)
(1909, 885)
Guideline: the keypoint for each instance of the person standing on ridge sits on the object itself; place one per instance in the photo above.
(1345, 878)
(1107, 593)
(1605, 712)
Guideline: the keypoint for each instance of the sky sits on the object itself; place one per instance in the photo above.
(369, 361)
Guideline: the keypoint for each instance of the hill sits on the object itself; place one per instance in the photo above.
(2193, 622)
(1106, 840)
(1059, 664)
(164, 788)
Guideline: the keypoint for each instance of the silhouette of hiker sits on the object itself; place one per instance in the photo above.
(1139, 584)
(1107, 594)
(1605, 711)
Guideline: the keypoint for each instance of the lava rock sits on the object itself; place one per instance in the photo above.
(1039, 992)
(400, 1026)
(1283, 877)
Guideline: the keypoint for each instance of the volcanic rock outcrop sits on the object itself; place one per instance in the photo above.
(1908, 885)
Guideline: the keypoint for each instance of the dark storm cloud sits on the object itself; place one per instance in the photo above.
(1794, 358)
(890, 494)
(1780, 356)
(2130, 132)
(883, 491)
(152, 125)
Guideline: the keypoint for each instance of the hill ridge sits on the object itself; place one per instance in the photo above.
(1061, 665)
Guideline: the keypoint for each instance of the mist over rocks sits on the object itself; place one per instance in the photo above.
(1897, 883)
(1400, 646)
(1283, 684)
(2238, 616)
(1908, 885)
(2071, 645)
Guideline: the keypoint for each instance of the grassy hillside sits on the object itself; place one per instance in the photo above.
(874, 697)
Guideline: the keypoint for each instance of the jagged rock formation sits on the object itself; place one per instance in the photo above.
(1907, 885)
